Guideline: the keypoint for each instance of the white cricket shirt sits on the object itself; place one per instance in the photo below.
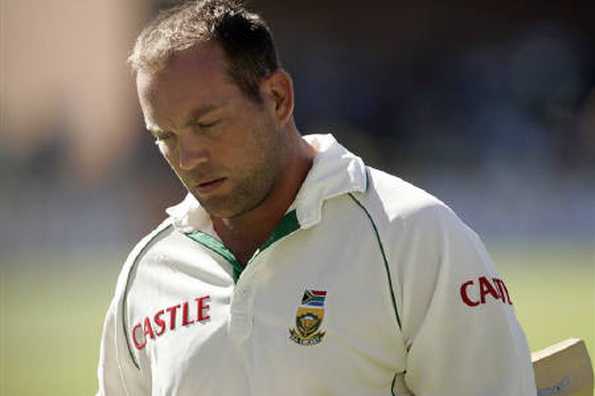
(368, 286)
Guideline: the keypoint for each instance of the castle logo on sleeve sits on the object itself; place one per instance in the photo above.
(308, 319)
(169, 319)
(483, 290)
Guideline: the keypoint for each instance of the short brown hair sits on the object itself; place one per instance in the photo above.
(245, 37)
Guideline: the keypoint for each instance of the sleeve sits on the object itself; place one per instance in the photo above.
(108, 371)
(117, 372)
(458, 321)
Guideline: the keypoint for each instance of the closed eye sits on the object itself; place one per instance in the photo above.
(206, 125)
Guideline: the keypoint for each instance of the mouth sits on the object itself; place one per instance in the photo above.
(210, 185)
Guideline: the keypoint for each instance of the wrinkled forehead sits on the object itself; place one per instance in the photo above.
(192, 77)
(203, 62)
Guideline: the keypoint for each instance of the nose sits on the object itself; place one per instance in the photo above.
(191, 151)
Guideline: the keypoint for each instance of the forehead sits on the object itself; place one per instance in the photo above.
(194, 77)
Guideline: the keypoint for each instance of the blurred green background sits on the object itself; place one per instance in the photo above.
(53, 308)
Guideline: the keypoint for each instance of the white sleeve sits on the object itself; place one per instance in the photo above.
(458, 321)
(108, 372)
(117, 372)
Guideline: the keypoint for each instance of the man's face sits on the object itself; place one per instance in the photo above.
(224, 147)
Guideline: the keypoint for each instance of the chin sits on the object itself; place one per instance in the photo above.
(229, 209)
(232, 203)
(219, 207)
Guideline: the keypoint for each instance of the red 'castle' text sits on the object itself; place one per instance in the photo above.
(476, 291)
(164, 320)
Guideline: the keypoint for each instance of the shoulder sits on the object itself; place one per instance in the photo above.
(159, 234)
(407, 217)
(396, 202)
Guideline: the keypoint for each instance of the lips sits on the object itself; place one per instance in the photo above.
(210, 185)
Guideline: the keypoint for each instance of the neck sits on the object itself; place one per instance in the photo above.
(245, 233)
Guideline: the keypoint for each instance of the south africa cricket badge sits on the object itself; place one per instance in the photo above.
(308, 318)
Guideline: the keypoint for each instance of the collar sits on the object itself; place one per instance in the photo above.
(335, 171)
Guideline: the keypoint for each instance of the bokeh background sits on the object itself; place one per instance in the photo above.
(488, 105)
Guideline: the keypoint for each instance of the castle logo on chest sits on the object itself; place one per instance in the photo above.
(308, 319)
(186, 313)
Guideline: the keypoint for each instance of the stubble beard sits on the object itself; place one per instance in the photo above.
(247, 194)
(251, 188)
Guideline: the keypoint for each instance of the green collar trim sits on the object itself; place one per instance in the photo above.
(288, 224)
(216, 246)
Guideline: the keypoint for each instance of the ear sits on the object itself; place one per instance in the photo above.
(277, 89)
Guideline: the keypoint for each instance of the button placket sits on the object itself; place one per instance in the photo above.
(241, 311)
(242, 305)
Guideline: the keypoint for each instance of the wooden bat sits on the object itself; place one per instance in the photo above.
(563, 369)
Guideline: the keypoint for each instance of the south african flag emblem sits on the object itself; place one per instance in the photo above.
(308, 318)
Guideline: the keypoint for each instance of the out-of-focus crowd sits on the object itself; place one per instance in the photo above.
(490, 108)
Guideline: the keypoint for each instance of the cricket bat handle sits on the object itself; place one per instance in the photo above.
(563, 369)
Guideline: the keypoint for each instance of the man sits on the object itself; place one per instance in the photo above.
(290, 268)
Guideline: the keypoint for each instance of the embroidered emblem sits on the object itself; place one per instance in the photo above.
(308, 319)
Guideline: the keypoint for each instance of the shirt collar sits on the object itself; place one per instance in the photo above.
(335, 171)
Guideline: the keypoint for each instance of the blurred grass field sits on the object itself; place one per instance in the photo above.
(51, 311)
